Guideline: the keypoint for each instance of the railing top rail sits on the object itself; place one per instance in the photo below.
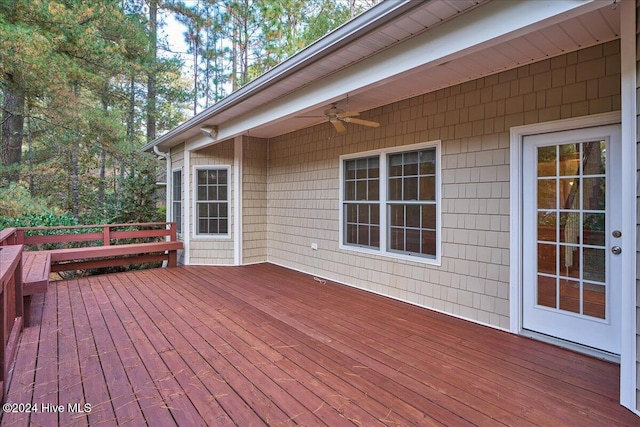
(78, 227)
(7, 234)
(10, 256)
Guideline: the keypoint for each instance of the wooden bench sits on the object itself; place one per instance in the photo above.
(36, 267)
(85, 258)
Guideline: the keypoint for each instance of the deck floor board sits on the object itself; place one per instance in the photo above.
(263, 345)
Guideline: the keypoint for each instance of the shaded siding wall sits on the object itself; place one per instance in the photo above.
(472, 120)
(206, 249)
(254, 203)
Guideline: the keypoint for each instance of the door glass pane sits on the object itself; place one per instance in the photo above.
(547, 258)
(593, 229)
(546, 291)
(547, 161)
(570, 295)
(570, 193)
(571, 231)
(594, 264)
(569, 159)
(594, 300)
(546, 194)
(593, 193)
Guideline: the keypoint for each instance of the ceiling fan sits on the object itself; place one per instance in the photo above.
(337, 117)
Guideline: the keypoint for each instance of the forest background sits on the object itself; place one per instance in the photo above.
(86, 83)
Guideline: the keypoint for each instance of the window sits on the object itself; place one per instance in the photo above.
(389, 202)
(361, 202)
(176, 199)
(212, 201)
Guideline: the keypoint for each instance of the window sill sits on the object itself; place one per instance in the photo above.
(436, 262)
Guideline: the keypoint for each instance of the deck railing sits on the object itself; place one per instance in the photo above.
(122, 244)
(94, 235)
(11, 304)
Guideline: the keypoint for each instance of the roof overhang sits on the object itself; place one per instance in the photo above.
(395, 51)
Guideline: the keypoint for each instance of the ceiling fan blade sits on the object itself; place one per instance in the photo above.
(338, 125)
(347, 114)
(361, 122)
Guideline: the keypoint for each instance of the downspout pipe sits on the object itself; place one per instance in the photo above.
(167, 157)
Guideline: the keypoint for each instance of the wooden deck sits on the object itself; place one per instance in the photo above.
(262, 345)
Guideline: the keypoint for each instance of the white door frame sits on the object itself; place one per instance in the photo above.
(516, 211)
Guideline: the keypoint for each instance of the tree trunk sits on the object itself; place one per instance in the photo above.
(12, 129)
(151, 82)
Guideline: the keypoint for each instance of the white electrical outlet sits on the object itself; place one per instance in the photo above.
(314, 246)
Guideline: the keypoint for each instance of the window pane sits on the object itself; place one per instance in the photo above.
(350, 190)
(222, 176)
(351, 234)
(410, 164)
(222, 192)
(413, 241)
(361, 190)
(374, 189)
(413, 216)
(395, 189)
(350, 169)
(427, 188)
(363, 214)
(202, 177)
(395, 165)
(428, 162)
(352, 212)
(223, 210)
(213, 193)
(397, 215)
(375, 214)
(410, 188)
(429, 217)
(375, 237)
(374, 167)
(429, 243)
(224, 226)
(202, 192)
(396, 239)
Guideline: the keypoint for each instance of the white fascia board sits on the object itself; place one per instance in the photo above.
(485, 26)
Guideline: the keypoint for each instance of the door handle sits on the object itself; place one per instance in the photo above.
(616, 250)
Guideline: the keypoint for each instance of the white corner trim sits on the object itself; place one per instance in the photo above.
(516, 198)
(628, 356)
(186, 185)
(237, 199)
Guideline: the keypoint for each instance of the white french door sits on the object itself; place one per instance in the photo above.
(571, 238)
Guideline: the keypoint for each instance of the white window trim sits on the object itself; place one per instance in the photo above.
(171, 212)
(384, 232)
(196, 235)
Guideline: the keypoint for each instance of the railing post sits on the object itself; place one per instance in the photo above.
(173, 232)
(106, 235)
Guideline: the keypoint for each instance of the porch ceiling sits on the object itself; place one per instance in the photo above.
(273, 104)
(594, 27)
